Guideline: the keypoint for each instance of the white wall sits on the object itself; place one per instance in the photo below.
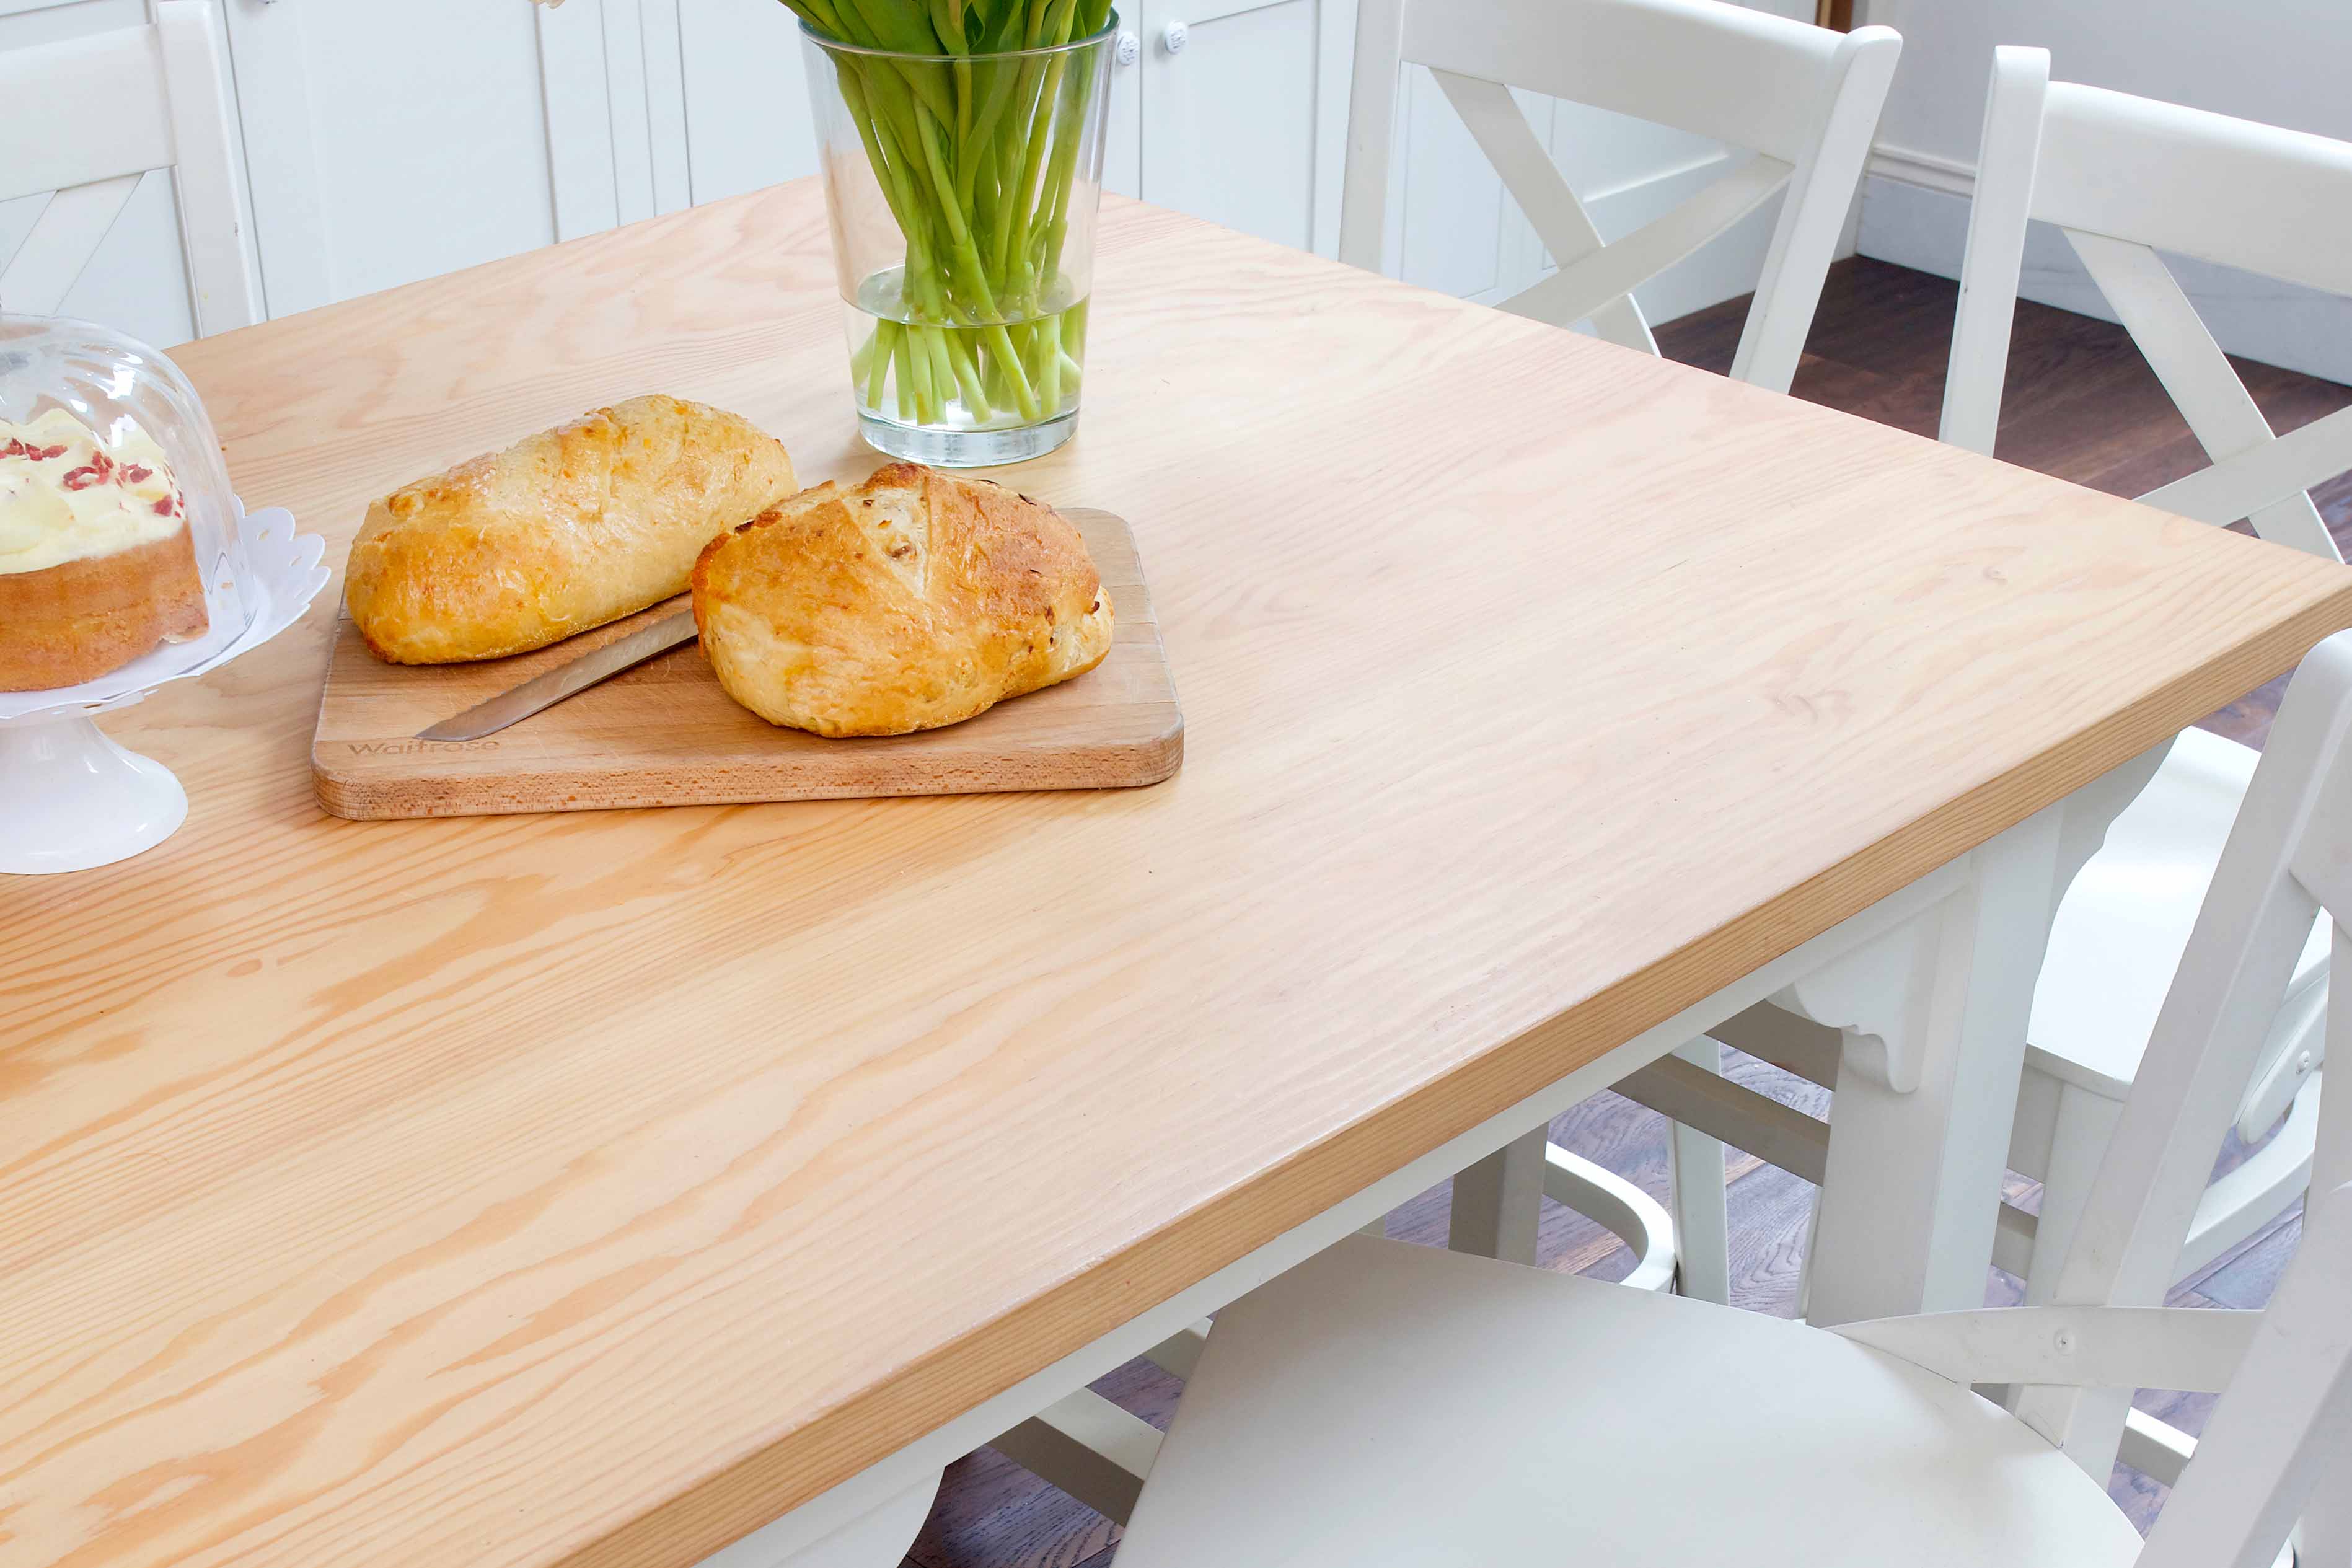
(2287, 62)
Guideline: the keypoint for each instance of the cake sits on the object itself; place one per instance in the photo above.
(96, 562)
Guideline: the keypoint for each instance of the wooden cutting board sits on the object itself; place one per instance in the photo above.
(665, 734)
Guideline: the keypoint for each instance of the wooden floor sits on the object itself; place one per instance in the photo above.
(2081, 405)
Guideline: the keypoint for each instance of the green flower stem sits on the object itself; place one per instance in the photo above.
(904, 379)
(1024, 396)
(1009, 162)
(877, 363)
(991, 110)
(929, 397)
(1049, 382)
(976, 161)
(967, 378)
(1060, 176)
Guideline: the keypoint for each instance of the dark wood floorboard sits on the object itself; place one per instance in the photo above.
(2079, 404)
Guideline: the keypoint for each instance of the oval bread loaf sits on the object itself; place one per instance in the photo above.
(913, 600)
(560, 532)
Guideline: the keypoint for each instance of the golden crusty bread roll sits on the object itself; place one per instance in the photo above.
(561, 532)
(913, 600)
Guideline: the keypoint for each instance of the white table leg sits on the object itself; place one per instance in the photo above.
(1498, 1202)
(1702, 1220)
(1912, 1185)
(1091, 1448)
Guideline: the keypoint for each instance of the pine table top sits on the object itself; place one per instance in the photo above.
(590, 1189)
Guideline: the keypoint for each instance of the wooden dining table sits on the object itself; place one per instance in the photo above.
(596, 1188)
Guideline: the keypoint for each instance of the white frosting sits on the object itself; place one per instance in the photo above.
(66, 494)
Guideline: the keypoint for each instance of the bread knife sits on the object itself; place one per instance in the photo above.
(543, 691)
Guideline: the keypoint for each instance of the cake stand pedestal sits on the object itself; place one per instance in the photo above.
(72, 799)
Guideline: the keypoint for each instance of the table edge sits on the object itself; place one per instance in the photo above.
(993, 1357)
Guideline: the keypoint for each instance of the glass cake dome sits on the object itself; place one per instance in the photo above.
(118, 533)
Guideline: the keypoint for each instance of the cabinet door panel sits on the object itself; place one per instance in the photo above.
(1229, 122)
(1247, 124)
(1123, 124)
(1451, 203)
(387, 142)
(747, 99)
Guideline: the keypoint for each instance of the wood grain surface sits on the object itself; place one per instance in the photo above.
(590, 1188)
(666, 733)
(1878, 348)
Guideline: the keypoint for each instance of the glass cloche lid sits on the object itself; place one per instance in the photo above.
(117, 530)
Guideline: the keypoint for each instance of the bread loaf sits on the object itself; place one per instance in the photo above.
(560, 532)
(913, 600)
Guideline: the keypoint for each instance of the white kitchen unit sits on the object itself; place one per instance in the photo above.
(1245, 112)
(386, 141)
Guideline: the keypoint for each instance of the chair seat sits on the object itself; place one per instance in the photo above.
(1386, 1404)
(2127, 916)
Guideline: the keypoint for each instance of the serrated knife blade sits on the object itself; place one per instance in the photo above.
(543, 691)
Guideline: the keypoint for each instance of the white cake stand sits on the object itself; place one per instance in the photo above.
(70, 798)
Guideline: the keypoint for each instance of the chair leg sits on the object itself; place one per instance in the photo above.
(2078, 1146)
(1498, 1202)
(1087, 1447)
(1702, 1240)
(2324, 1535)
(1620, 1208)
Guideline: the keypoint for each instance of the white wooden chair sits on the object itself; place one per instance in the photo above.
(2122, 177)
(1389, 1403)
(84, 118)
(1803, 101)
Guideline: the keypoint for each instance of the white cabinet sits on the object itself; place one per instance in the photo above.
(746, 101)
(387, 143)
(613, 75)
(391, 140)
(384, 142)
(1244, 112)
(1123, 121)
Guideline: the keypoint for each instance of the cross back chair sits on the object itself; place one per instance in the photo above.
(1389, 1403)
(2122, 178)
(1803, 101)
(165, 106)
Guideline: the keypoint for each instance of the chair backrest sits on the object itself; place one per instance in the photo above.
(2286, 1372)
(2124, 177)
(160, 87)
(1803, 101)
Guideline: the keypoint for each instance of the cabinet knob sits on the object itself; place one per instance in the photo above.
(1127, 48)
(1175, 38)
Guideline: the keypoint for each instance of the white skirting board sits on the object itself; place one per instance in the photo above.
(1915, 212)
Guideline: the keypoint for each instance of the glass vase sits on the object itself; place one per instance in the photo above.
(962, 190)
